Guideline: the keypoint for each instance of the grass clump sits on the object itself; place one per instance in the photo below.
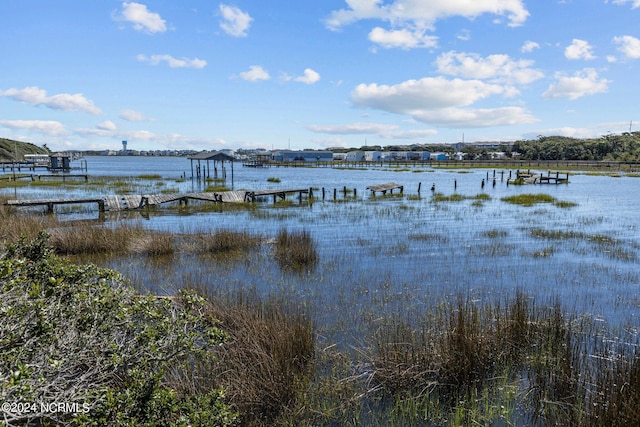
(267, 359)
(226, 242)
(529, 199)
(479, 362)
(295, 250)
(86, 239)
(273, 179)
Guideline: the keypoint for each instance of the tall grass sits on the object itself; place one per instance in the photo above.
(295, 250)
(566, 371)
(267, 356)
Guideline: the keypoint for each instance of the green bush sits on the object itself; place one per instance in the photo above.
(79, 335)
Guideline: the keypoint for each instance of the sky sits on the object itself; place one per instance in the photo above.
(283, 74)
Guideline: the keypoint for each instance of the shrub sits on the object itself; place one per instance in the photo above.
(80, 335)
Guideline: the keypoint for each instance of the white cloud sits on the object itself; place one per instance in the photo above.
(582, 83)
(529, 46)
(141, 18)
(234, 21)
(579, 49)
(634, 3)
(63, 101)
(387, 131)
(107, 125)
(309, 77)
(628, 45)
(255, 73)
(47, 127)
(403, 38)
(173, 62)
(438, 101)
(133, 116)
(425, 13)
(483, 117)
(493, 67)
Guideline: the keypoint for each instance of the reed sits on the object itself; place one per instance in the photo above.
(266, 358)
(224, 242)
(295, 250)
(84, 239)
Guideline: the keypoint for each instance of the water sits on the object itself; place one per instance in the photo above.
(380, 256)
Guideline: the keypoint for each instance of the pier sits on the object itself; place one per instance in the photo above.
(539, 178)
(383, 188)
(133, 202)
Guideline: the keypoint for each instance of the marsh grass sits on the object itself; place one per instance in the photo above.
(267, 358)
(216, 188)
(457, 197)
(532, 199)
(556, 369)
(295, 250)
(224, 242)
(83, 239)
(273, 179)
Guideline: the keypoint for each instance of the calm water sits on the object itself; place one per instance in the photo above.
(402, 255)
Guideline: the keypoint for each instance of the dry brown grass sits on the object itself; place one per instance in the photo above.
(269, 350)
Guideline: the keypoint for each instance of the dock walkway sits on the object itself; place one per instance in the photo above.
(137, 201)
(383, 188)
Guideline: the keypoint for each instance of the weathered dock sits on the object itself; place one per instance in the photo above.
(50, 203)
(251, 196)
(529, 177)
(140, 201)
(383, 188)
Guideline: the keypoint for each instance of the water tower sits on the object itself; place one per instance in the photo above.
(124, 147)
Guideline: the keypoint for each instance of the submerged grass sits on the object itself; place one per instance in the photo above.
(295, 250)
(532, 199)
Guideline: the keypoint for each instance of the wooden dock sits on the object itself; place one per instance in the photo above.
(50, 203)
(529, 177)
(383, 188)
(137, 201)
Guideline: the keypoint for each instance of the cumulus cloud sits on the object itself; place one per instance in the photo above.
(579, 49)
(628, 45)
(582, 83)
(309, 77)
(133, 116)
(425, 13)
(33, 95)
(234, 22)
(529, 46)
(46, 127)
(440, 101)
(141, 18)
(492, 67)
(383, 130)
(172, 62)
(255, 73)
(402, 38)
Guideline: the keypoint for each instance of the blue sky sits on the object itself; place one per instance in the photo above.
(191, 74)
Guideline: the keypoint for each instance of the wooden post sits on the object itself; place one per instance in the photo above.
(335, 193)
(322, 193)
(419, 185)
(355, 193)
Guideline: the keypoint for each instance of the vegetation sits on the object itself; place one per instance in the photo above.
(295, 250)
(9, 149)
(532, 199)
(624, 147)
(80, 335)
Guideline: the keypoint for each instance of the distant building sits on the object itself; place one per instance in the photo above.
(372, 156)
(304, 156)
